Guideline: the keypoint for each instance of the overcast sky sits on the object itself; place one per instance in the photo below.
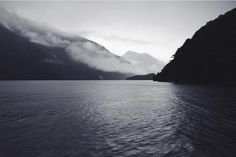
(157, 28)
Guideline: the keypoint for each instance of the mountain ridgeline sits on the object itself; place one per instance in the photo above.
(21, 59)
(208, 57)
(31, 51)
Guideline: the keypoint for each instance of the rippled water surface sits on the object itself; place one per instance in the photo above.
(116, 118)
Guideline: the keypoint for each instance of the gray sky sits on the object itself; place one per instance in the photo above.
(157, 28)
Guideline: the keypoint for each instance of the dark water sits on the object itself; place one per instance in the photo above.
(116, 118)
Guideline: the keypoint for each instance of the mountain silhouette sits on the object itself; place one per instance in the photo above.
(21, 59)
(30, 50)
(208, 57)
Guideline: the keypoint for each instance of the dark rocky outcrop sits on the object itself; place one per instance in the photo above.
(208, 57)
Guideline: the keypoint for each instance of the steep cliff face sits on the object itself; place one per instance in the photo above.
(209, 57)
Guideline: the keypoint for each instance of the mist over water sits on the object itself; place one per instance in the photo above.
(116, 118)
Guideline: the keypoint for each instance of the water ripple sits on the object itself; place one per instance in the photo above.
(116, 118)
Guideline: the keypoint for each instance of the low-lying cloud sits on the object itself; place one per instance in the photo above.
(79, 48)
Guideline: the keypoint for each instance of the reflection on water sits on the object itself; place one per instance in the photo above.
(116, 118)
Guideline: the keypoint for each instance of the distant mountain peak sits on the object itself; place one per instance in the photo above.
(144, 56)
(144, 61)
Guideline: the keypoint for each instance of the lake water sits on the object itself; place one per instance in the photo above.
(117, 119)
